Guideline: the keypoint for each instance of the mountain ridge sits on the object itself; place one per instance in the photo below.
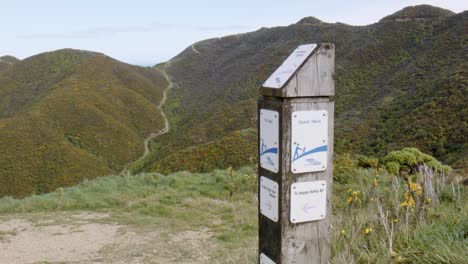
(7, 61)
(377, 91)
(418, 12)
(69, 115)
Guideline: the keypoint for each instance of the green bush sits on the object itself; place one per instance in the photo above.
(367, 162)
(408, 160)
(393, 167)
(343, 164)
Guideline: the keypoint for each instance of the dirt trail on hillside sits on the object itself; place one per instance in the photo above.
(90, 237)
(5, 61)
(194, 49)
(167, 125)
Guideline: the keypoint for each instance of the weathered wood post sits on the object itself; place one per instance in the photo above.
(296, 114)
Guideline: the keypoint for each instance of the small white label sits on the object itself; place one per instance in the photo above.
(269, 131)
(309, 136)
(269, 201)
(279, 78)
(265, 260)
(308, 201)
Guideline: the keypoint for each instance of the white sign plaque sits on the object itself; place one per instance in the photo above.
(269, 198)
(308, 201)
(265, 260)
(309, 135)
(284, 72)
(269, 131)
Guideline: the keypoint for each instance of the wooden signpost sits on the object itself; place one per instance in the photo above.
(295, 123)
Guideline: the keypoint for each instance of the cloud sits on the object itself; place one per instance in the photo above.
(101, 32)
(91, 33)
(224, 28)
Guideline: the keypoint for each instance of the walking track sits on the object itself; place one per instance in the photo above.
(167, 125)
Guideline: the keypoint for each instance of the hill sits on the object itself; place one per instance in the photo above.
(399, 83)
(6, 62)
(419, 11)
(68, 115)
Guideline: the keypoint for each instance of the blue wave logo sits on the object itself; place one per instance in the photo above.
(265, 150)
(301, 152)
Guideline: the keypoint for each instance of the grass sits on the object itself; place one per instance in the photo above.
(371, 227)
(384, 219)
(173, 204)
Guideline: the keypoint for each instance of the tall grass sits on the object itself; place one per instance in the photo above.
(130, 192)
(384, 219)
(377, 217)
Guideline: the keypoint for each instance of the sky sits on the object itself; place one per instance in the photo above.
(146, 32)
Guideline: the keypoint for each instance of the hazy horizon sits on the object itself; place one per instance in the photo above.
(146, 32)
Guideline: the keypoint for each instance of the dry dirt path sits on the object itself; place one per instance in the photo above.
(195, 49)
(167, 125)
(5, 61)
(92, 237)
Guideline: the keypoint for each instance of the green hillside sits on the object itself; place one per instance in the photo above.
(6, 62)
(420, 11)
(400, 82)
(68, 115)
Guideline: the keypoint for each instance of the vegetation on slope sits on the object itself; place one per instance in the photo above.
(399, 83)
(419, 11)
(6, 62)
(69, 115)
(377, 217)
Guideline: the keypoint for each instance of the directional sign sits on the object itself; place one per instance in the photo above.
(284, 72)
(308, 201)
(269, 131)
(269, 201)
(265, 260)
(309, 135)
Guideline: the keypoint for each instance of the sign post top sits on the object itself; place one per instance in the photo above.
(286, 70)
(309, 71)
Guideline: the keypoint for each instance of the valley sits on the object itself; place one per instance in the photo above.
(102, 161)
(71, 115)
(167, 125)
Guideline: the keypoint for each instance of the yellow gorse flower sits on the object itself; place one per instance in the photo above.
(354, 197)
(375, 182)
(368, 230)
(409, 201)
(415, 188)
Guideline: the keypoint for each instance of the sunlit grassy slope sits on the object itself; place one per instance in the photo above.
(399, 82)
(6, 62)
(225, 204)
(69, 114)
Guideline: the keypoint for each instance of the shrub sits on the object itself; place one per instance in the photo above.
(367, 162)
(408, 160)
(342, 165)
(393, 167)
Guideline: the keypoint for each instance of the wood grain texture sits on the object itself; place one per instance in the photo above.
(305, 242)
(270, 231)
(311, 88)
(315, 77)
